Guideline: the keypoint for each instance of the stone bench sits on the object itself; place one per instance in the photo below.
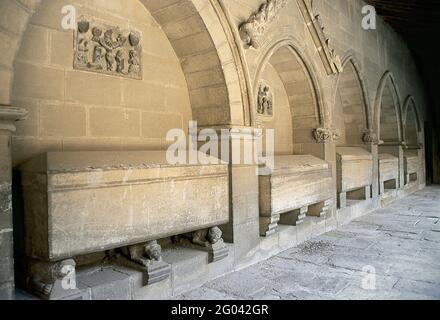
(299, 185)
(79, 203)
(354, 166)
(388, 172)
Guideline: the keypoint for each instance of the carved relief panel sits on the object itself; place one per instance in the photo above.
(107, 49)
(255, 26)
(265, 101)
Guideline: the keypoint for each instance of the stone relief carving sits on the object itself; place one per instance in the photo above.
(325, 135)
(207, 239)
(105, 49)
(54, 281)
(265, 100)
(146, 257)
(332, 62)
(253, 29)
(370, 137)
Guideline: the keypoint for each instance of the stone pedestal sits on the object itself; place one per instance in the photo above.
(8, 116)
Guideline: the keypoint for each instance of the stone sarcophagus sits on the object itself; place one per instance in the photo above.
(78, 203)
(298, 185)
(411, 165)
(388, 172)
(354, 166)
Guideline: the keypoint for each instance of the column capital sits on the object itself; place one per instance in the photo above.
(9, 115)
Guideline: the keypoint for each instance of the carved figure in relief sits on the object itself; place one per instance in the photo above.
(97, 61)
(107, 50)
(133, 61)
(120, 61)
(254, 27)
(144, 254)
(203, 238)
(265, 101)
(83, 51)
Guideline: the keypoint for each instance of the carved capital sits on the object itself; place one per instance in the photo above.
(256, 25)
(326, 135)
(370, 137)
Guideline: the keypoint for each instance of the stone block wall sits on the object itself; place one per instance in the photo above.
(195, 67)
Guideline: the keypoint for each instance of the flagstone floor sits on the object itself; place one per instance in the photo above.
(392, 253)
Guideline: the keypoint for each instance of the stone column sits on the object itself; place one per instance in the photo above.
(8, 116)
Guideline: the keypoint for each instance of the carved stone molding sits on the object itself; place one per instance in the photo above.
(325, 135)
(254, 28)
(370, 137)
(9, 115)
(107, 49)
(332, 62)
(265, 101)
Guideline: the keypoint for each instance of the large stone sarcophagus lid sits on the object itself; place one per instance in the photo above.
(354, 166)
(84, 202)
(388, 172)
(297, 184)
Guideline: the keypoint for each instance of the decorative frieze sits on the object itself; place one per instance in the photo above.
(332, 62)
(254, 28)
(106, 49)
(265, 101)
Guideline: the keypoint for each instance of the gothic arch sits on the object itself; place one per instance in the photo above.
(387, 110)
(193, 28)
(351, 111)
(411, 122)
(300, 84)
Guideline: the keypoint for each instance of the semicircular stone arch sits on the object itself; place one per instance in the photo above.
(297, 109)
(189, 74)
(388, 115)
(351, 112)
(412, 127)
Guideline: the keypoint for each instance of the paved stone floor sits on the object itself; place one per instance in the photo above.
(401, 243)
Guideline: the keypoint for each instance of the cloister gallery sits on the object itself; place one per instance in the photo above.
(90, 208)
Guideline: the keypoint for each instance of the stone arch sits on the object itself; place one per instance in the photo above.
(300, 85)
(411, 122)
(196, 35)
(351, 110)
(387, 111)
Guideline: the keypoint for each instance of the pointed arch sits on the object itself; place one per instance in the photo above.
(351, 107)
(411, 122)
(300, 84)
(388, 110)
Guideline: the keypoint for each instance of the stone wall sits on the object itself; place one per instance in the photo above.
(76, 110)
(196, 67)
